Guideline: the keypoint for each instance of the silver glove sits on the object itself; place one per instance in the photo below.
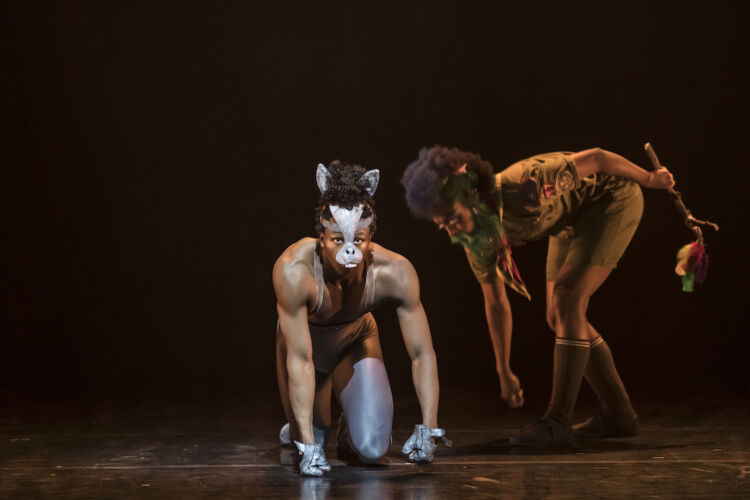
(420, 447)
(313, 461)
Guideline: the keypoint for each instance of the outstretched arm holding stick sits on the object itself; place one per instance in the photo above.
(598, 160)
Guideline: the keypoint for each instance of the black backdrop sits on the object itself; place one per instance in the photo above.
(158, 156)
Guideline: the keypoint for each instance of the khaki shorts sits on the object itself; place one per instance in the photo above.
(600, 233)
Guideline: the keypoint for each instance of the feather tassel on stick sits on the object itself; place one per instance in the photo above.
(692, 265)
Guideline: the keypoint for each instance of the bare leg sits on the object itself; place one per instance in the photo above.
(570, 298)
(362, 387)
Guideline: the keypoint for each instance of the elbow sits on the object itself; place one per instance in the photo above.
(599, 158)
(422, 353)
(590, 161)
(299, 357)
(299, 367)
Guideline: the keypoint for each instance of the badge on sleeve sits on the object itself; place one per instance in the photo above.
(565, 181)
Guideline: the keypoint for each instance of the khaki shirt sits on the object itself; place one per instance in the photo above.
(540, 196)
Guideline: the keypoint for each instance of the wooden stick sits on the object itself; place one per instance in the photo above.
(691, 222)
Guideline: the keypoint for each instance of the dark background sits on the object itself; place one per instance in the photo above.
(157, 157)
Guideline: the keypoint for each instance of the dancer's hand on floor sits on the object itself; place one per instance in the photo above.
(511, 390)
(420, 447)
(313, 461)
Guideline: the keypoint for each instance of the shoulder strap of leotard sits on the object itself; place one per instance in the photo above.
(319, 283)
(368, 297)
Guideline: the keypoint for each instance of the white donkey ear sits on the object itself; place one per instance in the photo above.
(321, 177)
(372, 177)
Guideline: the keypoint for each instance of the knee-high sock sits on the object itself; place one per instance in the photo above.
(571, 357)
(603, 378)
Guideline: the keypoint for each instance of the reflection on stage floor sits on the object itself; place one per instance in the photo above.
(695, 449)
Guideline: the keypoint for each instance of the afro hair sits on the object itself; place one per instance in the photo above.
(424, 178)
(345, 188)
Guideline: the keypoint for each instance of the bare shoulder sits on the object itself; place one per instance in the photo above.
(395, 273)
(293, 272)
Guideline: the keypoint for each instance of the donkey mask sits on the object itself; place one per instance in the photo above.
(347, 221)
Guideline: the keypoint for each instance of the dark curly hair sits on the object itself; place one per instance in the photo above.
(345, 188)
(424, 178)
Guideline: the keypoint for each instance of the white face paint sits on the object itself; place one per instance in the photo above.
(347, 223)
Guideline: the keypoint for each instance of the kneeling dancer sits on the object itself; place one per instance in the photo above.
(327, 340)
(589, 204)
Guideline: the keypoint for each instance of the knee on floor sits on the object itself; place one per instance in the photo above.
(372, 446)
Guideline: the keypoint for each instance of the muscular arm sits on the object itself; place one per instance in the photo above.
(500, 324)
(596, 160)
(291, 303)
(418, 341)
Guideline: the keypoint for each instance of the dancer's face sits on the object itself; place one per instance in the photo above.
(458, 219)
(333, 242)
(347, 224)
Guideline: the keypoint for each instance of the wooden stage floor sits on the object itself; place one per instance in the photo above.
(688, 450)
